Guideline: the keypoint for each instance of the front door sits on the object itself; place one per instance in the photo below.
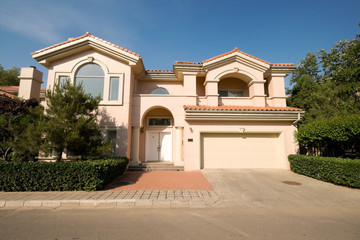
(158, 146)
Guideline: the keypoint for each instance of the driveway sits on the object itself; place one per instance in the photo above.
(275, 188)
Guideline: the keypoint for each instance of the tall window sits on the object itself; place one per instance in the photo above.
(91, 76)
(114, 89)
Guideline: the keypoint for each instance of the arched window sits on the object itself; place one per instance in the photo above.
(91, 76)
(159, 90)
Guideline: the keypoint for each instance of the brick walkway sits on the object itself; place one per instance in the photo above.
(170, 180)
(154, 189)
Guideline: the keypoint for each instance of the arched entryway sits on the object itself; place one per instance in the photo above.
(157, 135)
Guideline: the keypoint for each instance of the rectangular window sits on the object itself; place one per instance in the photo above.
(114, 89)
(111, 136)
(232, 93)
(62, 80)
(159, 122)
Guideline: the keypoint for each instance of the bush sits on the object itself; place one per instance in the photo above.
(335, 137)
(340, 171)
(60, 176)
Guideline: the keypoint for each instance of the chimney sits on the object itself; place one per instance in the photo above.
(30, 83)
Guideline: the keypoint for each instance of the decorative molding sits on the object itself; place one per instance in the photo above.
(242, 115)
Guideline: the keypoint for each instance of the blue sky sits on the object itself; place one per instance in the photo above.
(164, 31)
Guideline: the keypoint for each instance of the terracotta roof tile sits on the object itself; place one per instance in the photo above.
(232, 51)
(4, 93)
(83, 36)
(15, 89)
(157, 71)
(283, 64)
(9, 88)
(184, 62)
(240, 108)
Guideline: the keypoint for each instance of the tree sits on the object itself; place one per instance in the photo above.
(70, 123)
(20, 135)
(9, 77)
(327, 84)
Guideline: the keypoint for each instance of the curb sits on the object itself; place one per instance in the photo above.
(118, 203)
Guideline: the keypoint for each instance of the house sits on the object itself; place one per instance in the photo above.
(228, 111)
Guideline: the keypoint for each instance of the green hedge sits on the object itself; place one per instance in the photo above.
(60, 176)
(335, 170)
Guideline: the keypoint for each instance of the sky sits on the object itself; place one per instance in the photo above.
(165, 31)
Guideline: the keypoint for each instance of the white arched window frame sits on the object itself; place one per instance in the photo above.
(111, 81)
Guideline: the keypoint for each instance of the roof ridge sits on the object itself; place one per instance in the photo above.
(87, 34)
(232, 51)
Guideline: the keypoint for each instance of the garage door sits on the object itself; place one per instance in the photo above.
(245, 150)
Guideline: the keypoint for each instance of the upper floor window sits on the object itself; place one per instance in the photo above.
(63, 80)
(91, 76)
(233, 93)
(159, 90)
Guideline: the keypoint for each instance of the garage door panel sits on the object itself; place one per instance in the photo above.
(227, 150)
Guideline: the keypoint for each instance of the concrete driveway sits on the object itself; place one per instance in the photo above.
(275, 188)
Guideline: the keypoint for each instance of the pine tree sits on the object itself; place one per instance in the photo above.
(70, 123)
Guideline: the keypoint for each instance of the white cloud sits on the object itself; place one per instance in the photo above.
(39, 19)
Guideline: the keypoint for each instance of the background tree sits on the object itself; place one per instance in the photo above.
(9, 77)
(19, 129)
(70, 123)
(327, 84)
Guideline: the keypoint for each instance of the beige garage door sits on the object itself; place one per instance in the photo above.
(245, 150)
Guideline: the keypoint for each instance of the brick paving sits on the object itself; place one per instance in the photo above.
(162, 180)
(144, 190)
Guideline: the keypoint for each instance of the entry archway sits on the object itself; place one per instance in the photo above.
(156, 137)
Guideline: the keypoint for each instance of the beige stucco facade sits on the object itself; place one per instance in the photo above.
(176, 115)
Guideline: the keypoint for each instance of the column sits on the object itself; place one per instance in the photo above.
(135, 141)
(211, 92)
(277, 93)
(178, 146)
(257, 92)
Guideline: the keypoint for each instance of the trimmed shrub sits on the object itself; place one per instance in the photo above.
(332, 137)
(340, 171)
(60, 176)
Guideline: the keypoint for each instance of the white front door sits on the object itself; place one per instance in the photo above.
(158, 146)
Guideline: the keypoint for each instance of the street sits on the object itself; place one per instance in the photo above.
(201, 223)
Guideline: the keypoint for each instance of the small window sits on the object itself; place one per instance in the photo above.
(232, 93)
(159, 122)
(114, 89)
(111, 136)
(159, 91)
(62, 80)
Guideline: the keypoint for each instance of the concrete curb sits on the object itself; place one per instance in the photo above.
(116, 203)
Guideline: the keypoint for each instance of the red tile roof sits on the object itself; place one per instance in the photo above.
(184, 62)
(83, 36)
(240, 108)
(4, 93)
(232, 51)
(9, 88)
(283, 64)
(156, 71)
(15, 89)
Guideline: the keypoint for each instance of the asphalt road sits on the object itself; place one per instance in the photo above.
(207, 223)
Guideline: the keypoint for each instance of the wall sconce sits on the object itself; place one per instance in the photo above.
(191, 130)
(242, 130)
(142, 129)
